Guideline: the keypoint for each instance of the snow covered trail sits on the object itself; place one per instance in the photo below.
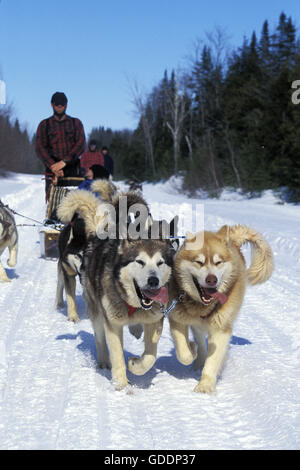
(52, 396)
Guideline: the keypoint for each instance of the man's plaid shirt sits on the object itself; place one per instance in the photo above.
(60, 140)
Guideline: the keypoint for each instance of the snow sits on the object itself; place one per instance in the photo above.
(52, 396)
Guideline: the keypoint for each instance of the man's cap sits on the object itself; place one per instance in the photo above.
(59, 98)
(93, 142)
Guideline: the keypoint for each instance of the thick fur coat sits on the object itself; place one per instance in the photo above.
(210, 277)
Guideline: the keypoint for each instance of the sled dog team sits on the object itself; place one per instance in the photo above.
(137, 281)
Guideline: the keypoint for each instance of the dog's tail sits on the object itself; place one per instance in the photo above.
(106, 189)
(131, 207)
(262, 263)
(83, 203)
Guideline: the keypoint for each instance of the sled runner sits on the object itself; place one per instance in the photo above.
(50, 233)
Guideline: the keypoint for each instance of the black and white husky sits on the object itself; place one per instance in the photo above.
(125, 282)
(8, 239)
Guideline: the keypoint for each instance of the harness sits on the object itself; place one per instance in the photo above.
(175, 301)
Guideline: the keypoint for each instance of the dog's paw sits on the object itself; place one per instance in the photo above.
(206, 385)
(121, 385)
(189, 355)
(140, 365)
(59, 305)
(11, 263)
(104, 364)
(73, 317)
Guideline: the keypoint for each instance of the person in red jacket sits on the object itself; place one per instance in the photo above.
(60, 140)
(91, 157)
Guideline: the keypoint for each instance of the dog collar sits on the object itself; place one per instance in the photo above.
(130, 309)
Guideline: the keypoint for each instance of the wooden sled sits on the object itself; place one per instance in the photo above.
(49, 234)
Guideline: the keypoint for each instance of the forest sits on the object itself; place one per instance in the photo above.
(229, 118)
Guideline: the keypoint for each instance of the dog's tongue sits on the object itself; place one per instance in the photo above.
(160, 295)
(222, 298)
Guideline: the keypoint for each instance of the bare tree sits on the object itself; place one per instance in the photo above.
(140, 102)
(177, 111)
(232, 155)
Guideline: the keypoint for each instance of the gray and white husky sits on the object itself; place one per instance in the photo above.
(125, 282)
(8, 239)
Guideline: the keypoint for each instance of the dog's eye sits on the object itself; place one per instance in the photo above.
(200, 263)
(160, 263)
(218, 263)
(139, 261)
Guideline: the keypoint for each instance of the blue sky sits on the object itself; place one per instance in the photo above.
(93, 49)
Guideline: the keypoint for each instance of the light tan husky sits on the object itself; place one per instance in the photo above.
(210, 278)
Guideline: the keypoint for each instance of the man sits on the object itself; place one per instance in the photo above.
(60, 141)
(108, 161)
(91, 157)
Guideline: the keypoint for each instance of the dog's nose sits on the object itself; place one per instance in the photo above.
(153, 282)
(211, 280)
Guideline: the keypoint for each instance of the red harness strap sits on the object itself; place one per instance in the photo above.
(131, 309)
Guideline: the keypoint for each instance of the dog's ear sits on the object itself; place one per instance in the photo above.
(194, 241)
(190, 237)
(224, 233)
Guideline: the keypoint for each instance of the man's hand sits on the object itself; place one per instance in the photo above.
(57, 168)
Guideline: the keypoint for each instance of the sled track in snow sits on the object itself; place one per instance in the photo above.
(52, 396)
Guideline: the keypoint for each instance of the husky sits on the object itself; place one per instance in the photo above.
(78, 211)
(8, 239)
(209, 283)
(125, 282)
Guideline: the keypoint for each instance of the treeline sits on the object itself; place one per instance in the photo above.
(16, 147)
(228, 120)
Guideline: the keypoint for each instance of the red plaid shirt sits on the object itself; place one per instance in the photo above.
(89, 159)
(59, 140)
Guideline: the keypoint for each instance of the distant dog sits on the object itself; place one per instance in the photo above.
(209, 283)
(8, 239)
(78, 211)
(125, 282)
(135, 185)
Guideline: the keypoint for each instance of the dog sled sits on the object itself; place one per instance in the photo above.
(49, 234)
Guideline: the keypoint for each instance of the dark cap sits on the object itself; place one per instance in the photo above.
(99, 171)
(59, 98)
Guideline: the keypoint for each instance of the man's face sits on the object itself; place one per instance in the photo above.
(59, 109)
